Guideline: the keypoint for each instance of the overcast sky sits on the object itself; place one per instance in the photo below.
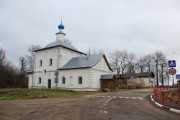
(139, 26)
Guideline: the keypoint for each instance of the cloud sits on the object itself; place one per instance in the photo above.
(139, 26)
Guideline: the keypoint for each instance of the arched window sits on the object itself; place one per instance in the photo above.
(80, 80)
(50, 61)
(40, 63)
(63, 80)
(39, 80)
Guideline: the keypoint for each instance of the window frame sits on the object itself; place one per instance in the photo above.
(40, 80)
(80, 80)
(50, 62)
(40, 63)
(63, 80)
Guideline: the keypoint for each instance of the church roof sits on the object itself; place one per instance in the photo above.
(61, 26)
(83, 62)
(62, 44)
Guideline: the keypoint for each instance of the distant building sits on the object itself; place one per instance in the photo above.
(108, 81)
(111, 81)
(145, 79)
(76, 70)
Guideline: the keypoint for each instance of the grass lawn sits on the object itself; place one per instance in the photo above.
(18, 93)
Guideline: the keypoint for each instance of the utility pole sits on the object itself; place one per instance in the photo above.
(177, 55)
(162, 74)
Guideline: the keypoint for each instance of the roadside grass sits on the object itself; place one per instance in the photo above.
(23, 93)
(16, 94)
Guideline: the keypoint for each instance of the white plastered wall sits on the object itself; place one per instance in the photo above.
(45, 56)
(72, 79)
(102, 65)
(59, 55)
(65, 55)
(90, 76)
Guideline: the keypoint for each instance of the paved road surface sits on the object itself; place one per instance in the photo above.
(131, 105)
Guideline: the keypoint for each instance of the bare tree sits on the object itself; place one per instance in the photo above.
(131, 62)
(141, 64)
(148, 62)
(22, 77)
(10, 75)
(159, 62)
(2, 57)
(115, 57)
(123, 61)
(94, 51)
(30, 58)
(163, 68)
(145, 63)
(156, 58)
(23, 65)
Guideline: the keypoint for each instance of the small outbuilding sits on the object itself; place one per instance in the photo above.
(108, 81)
(145, 79)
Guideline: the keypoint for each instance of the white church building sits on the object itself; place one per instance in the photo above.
(75, 70)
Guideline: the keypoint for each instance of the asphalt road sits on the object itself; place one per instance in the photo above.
(130, 105)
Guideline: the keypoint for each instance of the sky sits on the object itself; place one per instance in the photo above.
(139, 26)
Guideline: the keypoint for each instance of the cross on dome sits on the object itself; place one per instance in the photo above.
(61, 26)
(60, 36)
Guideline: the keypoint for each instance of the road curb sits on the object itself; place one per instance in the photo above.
(164, 107)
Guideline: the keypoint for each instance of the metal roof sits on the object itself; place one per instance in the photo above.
(128, 75)
(107, 77)
(82, 62)
(60, 32)
(61, 43)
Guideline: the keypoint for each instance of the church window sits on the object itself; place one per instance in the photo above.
(40, 63)
(80, 80)
(50, 62)
(63, 80)
(39, 80)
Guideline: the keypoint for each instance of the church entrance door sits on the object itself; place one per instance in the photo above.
(49, 84)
